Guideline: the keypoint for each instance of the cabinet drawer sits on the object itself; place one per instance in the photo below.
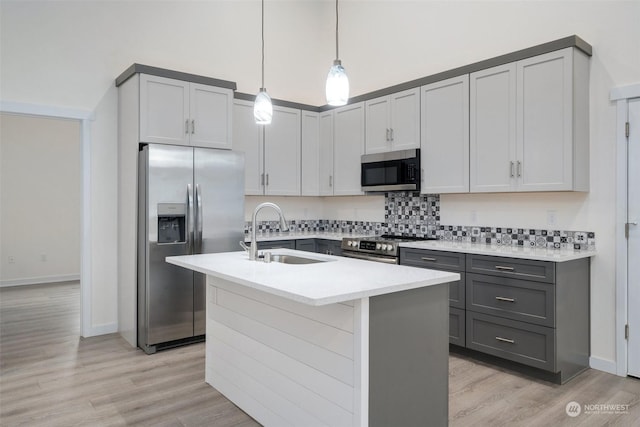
(523, 300)
(437, 260)
(277, 244)
(521, 342)
(456, 326)
(457, 294)
(539, 271)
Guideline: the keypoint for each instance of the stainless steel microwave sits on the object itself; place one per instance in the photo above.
(391, 171)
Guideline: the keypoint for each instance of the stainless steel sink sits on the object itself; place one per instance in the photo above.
(292, 259)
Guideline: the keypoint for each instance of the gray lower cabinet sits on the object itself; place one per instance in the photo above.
(532, 312)
(535, 313)
(329, 247)
(277, 244)
(444, 261)
(308, 245)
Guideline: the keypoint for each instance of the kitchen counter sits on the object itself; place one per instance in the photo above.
(337, 280)
(326, 235)
(344, 342)
(507, 251)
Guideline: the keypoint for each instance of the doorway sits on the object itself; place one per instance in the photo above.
(41, 216)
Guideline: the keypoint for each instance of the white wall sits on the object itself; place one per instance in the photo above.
(40, 207)
(68, 53)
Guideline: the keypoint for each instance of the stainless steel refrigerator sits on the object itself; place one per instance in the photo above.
(191, 200)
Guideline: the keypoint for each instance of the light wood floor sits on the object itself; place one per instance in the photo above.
(51, 377)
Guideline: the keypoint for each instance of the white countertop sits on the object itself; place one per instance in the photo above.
(327, 235)
(508, 251)
(337, 280)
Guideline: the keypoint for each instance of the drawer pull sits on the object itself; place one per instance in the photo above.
(506, 340)
(506, 299)
(502, 267)
(424, 258)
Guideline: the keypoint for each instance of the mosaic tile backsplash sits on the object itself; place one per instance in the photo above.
(413, 214)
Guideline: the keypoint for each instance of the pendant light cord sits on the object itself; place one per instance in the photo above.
(263, 44)
(337, 56)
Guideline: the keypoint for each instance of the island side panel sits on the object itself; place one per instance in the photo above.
(282, 362)
(409, 358)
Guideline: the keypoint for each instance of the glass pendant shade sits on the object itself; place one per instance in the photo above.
(337, 89)
(263, 109)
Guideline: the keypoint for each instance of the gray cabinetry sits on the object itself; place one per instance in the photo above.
(277, 244)
(532, 312)
(308, 245)
(445, 261)
(328, 247)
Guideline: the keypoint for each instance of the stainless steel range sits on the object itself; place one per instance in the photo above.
(383, 248)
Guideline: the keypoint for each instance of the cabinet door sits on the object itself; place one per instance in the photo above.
(310, 169)
(405, 119)
(210, 111)
(282, 153)
(378, 128)
(247, 138)
(164, 110)
(545, 122)
(348, 146)
(444, 155)
(326, 153)
(493, 129)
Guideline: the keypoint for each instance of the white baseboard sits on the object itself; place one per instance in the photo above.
(39, 280)
(104, 329)
(603, 365)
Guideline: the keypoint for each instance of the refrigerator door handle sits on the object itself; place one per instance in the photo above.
(190, 220)
(199, 219)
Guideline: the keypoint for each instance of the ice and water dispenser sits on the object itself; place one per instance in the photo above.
(172, 222)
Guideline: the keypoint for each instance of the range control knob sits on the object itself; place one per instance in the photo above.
(378, 246)
(383, 247)
(390, 247)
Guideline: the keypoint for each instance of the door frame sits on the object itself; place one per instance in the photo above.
(621, 96)
(85, 117)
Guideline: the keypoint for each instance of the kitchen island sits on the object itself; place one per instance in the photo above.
(336, 342)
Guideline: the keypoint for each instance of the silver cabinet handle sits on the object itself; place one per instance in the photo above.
(391, 134)
(186, 126)
(511, 172)
(501, 267)
(261, 179)
(267, 179)
(519, 168)
(505, 299)
(507, 340)
(193, 126)
(388, 134)
(330, 180)
(424, 258)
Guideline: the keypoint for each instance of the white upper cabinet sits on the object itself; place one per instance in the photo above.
(444, 154)
(247, 138)
(282, 153)
(348, 147)
(529, 125)
(326, 153)
(272, 152)
(310, 168)
(393, 122)
(184, 113)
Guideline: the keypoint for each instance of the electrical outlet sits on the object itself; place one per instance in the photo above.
(11, 259)
(552, 217)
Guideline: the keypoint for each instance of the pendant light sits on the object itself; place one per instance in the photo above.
(337, 89)
(263, 109)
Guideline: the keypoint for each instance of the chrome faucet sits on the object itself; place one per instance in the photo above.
(253, 250)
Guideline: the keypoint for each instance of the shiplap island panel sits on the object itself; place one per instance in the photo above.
(343, 342)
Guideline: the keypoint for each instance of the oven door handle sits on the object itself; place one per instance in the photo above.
(356, 255)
